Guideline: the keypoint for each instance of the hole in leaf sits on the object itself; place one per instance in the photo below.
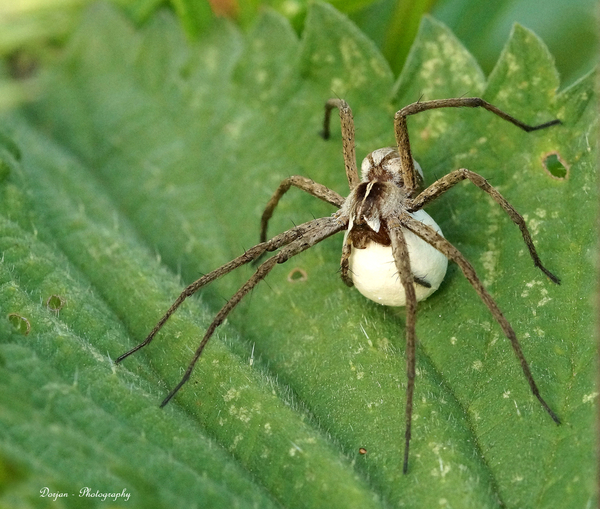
(20, 323)
(555, 166)
(55, 302)
(297, 274)
(362, 450)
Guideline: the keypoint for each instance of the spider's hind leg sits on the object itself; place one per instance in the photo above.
(430, 236)
(402, 260)
(316, 231)
(252, 254)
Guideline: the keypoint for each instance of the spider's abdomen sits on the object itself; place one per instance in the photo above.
(374, 272)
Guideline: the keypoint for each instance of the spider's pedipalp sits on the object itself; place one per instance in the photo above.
(442, 185)
(440, 243)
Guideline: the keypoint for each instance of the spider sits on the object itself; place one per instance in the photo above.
(393, 251)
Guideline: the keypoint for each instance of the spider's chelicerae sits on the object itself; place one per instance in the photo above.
(393, 251)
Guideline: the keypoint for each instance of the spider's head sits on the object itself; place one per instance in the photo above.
(384, 165)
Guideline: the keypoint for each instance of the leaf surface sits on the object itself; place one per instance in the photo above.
(148, 162)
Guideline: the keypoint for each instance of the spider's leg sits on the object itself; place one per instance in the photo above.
(409, 175)
(303, 183)
(250, 255)
(344, 263)
(320, 230)
(442, 185)
(401, 130)
(401, 257)
(441, 244)
(258, 276)
(471, 102)
(347, 124)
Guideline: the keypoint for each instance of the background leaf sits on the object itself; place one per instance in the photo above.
(30, 30)
(149, 160)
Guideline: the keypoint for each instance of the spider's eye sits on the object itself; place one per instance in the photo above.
(384, 164)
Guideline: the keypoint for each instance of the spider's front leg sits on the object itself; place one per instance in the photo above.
(401, 129)
(402, 261)
(318, 230)
(347, 126)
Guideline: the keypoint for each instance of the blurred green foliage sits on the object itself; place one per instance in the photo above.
(570, 29)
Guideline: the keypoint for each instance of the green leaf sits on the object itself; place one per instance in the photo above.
(195, 16)
(393, 25)
(569, 30)
(149, 160)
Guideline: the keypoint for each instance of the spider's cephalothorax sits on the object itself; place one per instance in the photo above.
(370, 266)
(393, 252)
(385, 165)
